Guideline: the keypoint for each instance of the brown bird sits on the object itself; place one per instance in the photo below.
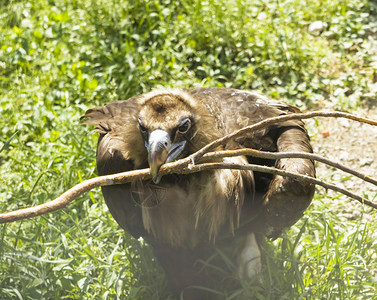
(186, 217)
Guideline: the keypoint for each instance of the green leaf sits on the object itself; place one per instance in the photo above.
(7, 143)
(93, 83)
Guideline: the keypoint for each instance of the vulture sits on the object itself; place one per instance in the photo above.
(189, 219)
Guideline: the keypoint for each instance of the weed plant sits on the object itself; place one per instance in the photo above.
(60, 57)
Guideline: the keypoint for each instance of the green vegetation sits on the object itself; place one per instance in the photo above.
(58, 58)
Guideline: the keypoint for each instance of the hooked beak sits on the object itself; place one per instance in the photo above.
(161, 150)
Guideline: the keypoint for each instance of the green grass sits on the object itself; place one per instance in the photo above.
(58, 58)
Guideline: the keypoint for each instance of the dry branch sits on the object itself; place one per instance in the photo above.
(275, 171)
(68, 196)
(280, 155)
(188, 165)
(221, 141)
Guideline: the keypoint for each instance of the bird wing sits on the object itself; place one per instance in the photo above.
(284, 199)
(119, 134)
(235, 109)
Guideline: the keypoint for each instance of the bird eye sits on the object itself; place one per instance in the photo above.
(143, 130)
(184, 126)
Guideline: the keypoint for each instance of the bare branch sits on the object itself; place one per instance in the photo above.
(221, 141)
(280, 155)
(176, 168)
(275, 171)
(68, 196)
(187, 165)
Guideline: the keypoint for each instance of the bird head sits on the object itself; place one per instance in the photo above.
(166, 123)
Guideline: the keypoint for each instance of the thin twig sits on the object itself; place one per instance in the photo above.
(280, 155)
(275, 171)
(221, 141)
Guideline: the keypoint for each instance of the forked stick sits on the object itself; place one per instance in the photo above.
(191, 164)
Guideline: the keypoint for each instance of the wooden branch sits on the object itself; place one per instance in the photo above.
(221, 141)
(275, 171)
(68, 196)
(178, 167)
(280, 155)
(187, 165)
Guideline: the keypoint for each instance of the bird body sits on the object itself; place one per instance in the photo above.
(183, 216)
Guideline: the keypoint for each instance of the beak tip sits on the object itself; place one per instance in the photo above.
(156, 179)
